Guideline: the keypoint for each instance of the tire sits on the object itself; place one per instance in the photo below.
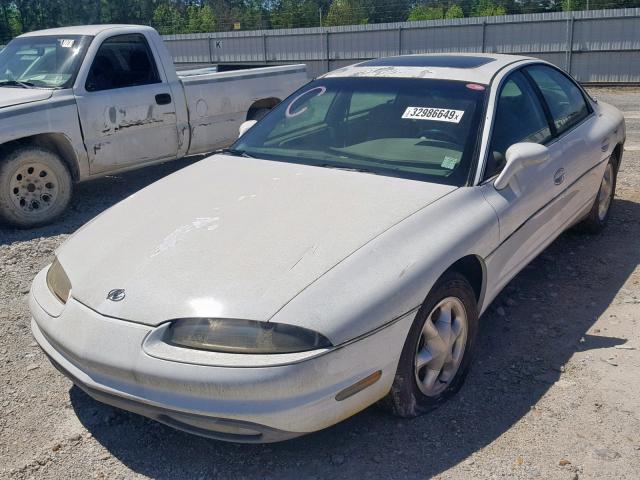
(407, 397)
(257, 113)
(35, 187)
(598, 216)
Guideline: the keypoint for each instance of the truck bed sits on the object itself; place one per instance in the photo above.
(218, 102)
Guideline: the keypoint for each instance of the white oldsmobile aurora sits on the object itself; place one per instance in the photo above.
(340, 253)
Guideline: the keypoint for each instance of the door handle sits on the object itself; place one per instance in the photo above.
(163, 99)
(558, 177)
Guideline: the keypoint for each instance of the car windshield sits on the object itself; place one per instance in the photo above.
(45, 62)
(411, 128)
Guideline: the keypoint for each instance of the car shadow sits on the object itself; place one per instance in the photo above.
(93, 197)
(527, 336)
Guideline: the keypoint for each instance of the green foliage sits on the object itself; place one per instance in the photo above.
(425, 12)
(454, 11)
(167, 19)
(295, 13)
(486, 8)
(200, 19)
(347, 12)
(191, 16)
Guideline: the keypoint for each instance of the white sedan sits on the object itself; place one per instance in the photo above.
(339, 254)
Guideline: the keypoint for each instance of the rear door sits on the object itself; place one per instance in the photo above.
(126, 110)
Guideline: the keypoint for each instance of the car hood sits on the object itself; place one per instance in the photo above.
(232, 237)
(11, 96)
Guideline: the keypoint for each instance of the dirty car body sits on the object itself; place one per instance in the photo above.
(271, 291)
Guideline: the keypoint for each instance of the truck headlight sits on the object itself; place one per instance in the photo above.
(242, 336)
(58, 282)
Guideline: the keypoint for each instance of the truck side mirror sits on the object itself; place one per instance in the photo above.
(246, 126)
(520, 156)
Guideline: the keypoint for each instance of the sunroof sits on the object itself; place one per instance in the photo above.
(447, 61)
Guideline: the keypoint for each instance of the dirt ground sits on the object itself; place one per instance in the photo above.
(554, 394)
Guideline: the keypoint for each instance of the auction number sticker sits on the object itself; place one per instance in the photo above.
(430, 113)
(66, 42)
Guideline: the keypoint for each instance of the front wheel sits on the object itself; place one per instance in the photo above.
(35, 187)
(598, 216)
(438, 350)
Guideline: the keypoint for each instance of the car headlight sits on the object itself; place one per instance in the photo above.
(242, 336)
(58, 282)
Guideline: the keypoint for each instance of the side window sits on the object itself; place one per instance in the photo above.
(565, 100)
(519, 117)
(122, 61)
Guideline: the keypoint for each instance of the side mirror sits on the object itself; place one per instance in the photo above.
(246, 126)
(520, 156)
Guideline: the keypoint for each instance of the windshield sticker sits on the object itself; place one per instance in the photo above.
(66, 43)
(435, 114)
(475, 86)
(314, 92)
(449, 163)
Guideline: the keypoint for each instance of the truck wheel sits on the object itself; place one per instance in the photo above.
(35, 187)
(257, 113)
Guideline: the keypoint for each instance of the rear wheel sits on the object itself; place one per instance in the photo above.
(598, 217)
(439, 348)
(35, 187)
(257, 113)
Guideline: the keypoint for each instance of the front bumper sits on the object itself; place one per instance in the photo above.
(241, 402)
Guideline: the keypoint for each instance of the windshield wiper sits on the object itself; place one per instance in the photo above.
(236, 153)
(16, 83)
(348, 169)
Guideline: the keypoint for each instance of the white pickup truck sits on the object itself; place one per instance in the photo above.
(80, 102)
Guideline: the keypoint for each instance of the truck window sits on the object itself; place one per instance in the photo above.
(122, 61)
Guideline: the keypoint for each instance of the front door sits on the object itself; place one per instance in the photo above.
(585, 144)
(127, 113)
(527, 212)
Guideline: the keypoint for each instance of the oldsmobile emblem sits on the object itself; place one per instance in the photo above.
(116, 295)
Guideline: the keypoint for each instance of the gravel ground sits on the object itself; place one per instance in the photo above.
(554, 394)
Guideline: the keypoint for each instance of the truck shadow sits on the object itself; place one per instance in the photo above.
(546, 313)
(93, 197)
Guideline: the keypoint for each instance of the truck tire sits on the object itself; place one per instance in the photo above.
(35, 187)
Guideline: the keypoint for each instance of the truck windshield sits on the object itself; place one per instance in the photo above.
(45, 62)
(411, 128)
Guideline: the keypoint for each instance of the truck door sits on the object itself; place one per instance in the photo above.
(127, 114)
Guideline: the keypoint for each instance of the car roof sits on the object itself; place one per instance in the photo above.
(470, 67)
(91, 30)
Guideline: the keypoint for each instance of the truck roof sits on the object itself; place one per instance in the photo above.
(91, 30)
(470, 67)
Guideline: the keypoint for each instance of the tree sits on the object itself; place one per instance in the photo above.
(380, 11)
(486, 8)
(200, 19)
(454, 11)
(167, 19)
(426, 12)
(295, 13)
(347, 12)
